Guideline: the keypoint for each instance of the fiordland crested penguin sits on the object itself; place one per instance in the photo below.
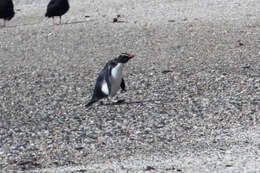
(6, 10)
(57, 8)
(110, 79)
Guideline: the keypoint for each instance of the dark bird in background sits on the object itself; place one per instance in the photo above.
(110, 79)
(57, 8)
(6, 10)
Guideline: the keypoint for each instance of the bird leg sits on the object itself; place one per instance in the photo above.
(60, 20)
(53, 21)
(3, 24)
(112, 99)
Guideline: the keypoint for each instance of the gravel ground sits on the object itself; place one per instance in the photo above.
(193, 99)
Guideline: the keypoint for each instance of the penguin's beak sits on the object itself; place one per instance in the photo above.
(131, 56)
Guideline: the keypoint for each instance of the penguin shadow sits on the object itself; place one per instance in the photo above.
(75, 22)
(123, 102)
(30, 24)
(134, 102)
(14, 26)
(36, 23)
(87, 19)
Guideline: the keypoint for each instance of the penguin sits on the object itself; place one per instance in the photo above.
(110, 79)
(6, 10)
(57, 8)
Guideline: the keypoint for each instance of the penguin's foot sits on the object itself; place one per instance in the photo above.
(123, 90)
(113, 100)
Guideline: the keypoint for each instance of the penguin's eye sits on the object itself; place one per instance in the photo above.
(113, 64)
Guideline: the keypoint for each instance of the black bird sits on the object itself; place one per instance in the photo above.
(6, 10)
(57, 8)
(110, 79)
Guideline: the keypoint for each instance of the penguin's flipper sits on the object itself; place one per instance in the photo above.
(122, 85)
(108, 77)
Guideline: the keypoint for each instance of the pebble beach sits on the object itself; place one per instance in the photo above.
(193, 89)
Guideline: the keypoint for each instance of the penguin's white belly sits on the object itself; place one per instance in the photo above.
(116, 79)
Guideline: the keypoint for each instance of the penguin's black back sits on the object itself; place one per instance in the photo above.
(57, 8)
(98, 94)
(6, 9)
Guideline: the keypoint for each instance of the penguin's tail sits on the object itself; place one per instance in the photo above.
(90, 103)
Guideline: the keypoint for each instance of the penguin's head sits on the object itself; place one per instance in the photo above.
(124, 57)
